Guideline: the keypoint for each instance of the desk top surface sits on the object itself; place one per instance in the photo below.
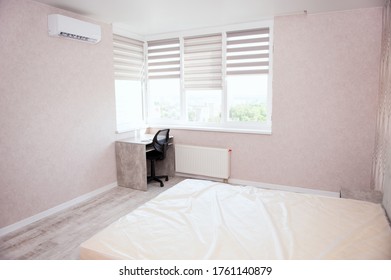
(144, 139)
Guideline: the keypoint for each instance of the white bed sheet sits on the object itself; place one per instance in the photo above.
(199, 219)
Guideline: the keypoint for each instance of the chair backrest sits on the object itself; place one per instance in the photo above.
(160, 141)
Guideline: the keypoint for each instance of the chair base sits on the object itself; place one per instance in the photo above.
(157, 179)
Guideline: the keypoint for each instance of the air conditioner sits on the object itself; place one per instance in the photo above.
(62, 26)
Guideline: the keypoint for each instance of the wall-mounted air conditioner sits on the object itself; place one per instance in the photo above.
(62, 26)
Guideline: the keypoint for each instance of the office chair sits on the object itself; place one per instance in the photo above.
(160, 145)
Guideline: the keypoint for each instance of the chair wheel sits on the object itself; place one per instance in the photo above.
(166, 178)
(161, 185)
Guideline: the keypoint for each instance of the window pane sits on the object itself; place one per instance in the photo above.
(129, 104)
(247, 98)
(164, 99)
(203, 106)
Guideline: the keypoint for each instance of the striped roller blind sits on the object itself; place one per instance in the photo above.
(248, 52)
(128, 58)
(164, 59)
(203, 62)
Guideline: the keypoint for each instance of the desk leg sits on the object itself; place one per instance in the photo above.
(131, 166)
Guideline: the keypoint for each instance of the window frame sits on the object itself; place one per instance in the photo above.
(225, 125)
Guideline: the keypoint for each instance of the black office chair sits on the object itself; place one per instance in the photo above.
(160, 145)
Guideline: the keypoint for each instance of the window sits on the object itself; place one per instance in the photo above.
(204, 106)
(247, 76)
(203, 78)
(164, 80)
(129, 82)
(128, 100)
(218, 81)
(164, 99)
(249, 106)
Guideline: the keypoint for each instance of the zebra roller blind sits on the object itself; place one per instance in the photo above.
(164, 59)
(248, 52)
(128, 58)
(203, 62)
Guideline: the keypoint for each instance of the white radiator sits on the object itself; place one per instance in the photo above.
(203, 161)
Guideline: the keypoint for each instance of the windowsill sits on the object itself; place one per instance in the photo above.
(245, 130)
(217, 129)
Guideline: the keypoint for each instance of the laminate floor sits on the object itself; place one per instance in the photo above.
(58, 236)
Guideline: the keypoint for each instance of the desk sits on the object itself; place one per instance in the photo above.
(132, 165)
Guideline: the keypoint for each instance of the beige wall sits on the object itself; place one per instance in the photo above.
(326, 75)
(57, 113)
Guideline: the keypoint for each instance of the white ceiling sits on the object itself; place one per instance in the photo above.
(148, 17)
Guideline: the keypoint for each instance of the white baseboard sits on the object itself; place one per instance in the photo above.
(201, 177)
(283, 188)
(234, 181)
(51, 211)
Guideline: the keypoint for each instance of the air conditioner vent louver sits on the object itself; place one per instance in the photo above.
(62, 26)
(74, 36)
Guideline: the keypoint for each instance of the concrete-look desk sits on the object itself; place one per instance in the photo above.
(132, 166)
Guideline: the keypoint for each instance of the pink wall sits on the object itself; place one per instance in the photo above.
(57, 113)
(326, 74)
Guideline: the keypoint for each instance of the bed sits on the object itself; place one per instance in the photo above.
(198, 219)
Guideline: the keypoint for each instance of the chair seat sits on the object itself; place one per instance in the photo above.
(154, 155)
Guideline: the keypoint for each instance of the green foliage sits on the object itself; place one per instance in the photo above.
(248, 113)
(191, 116)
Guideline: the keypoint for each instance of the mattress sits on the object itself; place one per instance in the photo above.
(199, 219)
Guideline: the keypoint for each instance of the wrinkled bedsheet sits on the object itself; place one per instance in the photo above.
(198, 219)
